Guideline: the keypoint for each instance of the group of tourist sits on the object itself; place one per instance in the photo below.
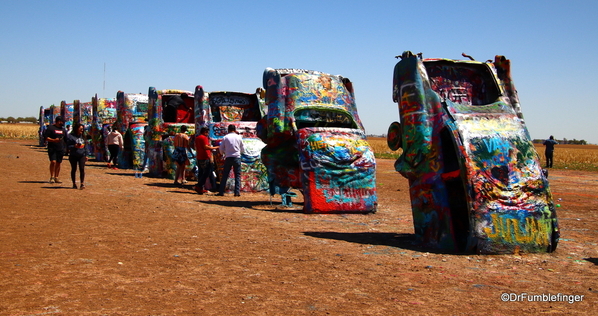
(231, 148)
(61, 143)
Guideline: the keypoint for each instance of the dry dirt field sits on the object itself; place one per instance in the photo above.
(140, 246)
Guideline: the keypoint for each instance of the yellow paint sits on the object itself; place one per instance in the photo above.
(508, 230)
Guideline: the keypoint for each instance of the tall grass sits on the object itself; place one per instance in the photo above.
(573, 157)
(19, 131)
(381, 149)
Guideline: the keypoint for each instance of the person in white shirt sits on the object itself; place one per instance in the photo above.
(232, 148)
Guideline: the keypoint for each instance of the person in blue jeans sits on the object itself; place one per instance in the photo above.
(203, 150)
(231, 148)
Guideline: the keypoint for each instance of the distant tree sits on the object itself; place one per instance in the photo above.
(2, 119)
(11, 119)
(578, 142)
(30, 119)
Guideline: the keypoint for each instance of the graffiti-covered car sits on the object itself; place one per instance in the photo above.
(82, 114)
(217, 110)
(316, 142)
(66, 111)
(103, 117)
(169, 110)
(476, 184)
(131, 109)
(46, 117)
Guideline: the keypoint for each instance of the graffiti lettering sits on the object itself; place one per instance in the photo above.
(455, 94)
(229, 100)
(348, 194)
(496, 144)
(511, 230)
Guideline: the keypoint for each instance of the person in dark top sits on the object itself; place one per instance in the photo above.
(549, 143)
(170, 111)
(78, 153)
(54, 136)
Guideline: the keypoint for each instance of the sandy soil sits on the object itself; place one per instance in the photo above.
(140, 246)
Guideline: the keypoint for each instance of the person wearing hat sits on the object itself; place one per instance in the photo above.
(55, 136)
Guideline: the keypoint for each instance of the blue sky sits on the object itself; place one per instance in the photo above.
(56, 50)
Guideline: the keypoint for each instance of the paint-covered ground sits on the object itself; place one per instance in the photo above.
(140, 246)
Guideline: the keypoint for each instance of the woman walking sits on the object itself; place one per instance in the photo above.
(78, 153)
(115, 143)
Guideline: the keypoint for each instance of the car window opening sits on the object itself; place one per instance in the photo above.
(323, 118)
(176, 109)
(468, 84)
(228, 107)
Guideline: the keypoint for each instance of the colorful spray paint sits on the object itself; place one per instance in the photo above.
(131, 116)
(104, 116)
(316, 142)
(48, 117)
(253, 172)
(162, 129)
(243, 110)
(66, 111)
(476, 184)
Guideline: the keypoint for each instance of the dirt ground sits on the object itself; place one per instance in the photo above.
(140, 246)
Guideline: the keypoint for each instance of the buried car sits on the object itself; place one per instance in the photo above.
(476, 184)
(217, 110)
(315, 142)
(104, 116)
(168, 111)
(131, 119)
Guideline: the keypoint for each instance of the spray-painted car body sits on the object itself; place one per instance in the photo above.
(476, 184)
(131, 110)
(316, 142)
(219, 109)
(46, 117)
(82, 114)
(104, 116)
(66, 111)
(160, 138)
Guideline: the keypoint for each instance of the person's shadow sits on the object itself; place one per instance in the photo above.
(50, 186)
(256, 205)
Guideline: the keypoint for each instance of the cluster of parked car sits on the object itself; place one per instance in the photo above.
(476, 184)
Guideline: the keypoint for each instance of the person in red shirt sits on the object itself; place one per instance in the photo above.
(205, 161)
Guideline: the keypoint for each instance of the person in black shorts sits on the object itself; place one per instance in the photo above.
(55, 135)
